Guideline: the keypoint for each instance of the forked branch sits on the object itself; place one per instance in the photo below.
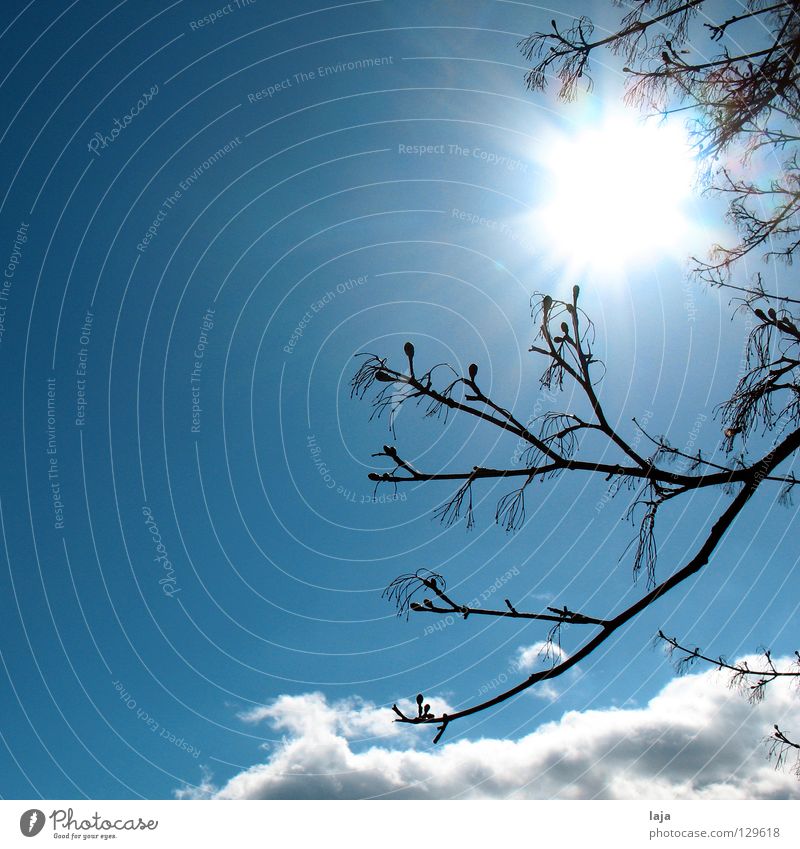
(788, 446)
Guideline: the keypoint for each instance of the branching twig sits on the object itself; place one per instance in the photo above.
(741, 673)
(784, 449)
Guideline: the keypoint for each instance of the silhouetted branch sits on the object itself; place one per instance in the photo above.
(741, 673)
(646, 551)
(749, 94)
(556, 446)
(558, 615)
(781, 747)
(451, 511)
(788, 446)
(745, 98)
(768, 394)
(402, 589)
(567, 53)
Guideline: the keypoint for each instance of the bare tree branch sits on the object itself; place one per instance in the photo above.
(743, 99)
(701, 558)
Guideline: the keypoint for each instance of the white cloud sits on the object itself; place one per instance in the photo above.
(311, 716)
(530, 657)
(696, 739)
(540, 656)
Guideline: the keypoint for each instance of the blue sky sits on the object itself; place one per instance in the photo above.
(191, 579)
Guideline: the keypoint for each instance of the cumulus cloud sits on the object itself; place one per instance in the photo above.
(530, 657)
(538, 656)
(311, 715)
(697, 739)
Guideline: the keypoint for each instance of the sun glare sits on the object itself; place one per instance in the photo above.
(616, 194)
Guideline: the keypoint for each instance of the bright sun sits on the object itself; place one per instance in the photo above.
(616, 194)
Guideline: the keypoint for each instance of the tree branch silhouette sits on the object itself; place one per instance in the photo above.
(610, 626)
(568, 355)
(780, 746)
(750, 97)
(744, 101)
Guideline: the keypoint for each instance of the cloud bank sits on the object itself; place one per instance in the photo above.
(697, 739)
